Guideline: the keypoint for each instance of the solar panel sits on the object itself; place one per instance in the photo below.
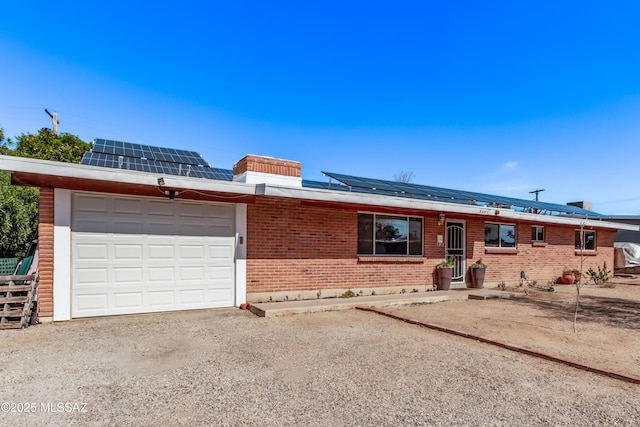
(155, 166)
(425, 192)
(149, 152)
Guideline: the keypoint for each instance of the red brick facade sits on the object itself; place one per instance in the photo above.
(45, 253)
(293, 246)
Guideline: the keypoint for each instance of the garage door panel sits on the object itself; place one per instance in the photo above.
(220, 273)
(91, 226)
(138, 255)
(91, 203)
(191, 296)
(221, 251)
(127, 227)
(92, 252)
(127, 252)
(127, 300)
(127, 206)
(132, 276)
(161, 274)
(191, 273)
(160, 252)
(191, 252)
(89, 276)
(159, 299)
(223, 212)
(95, 302)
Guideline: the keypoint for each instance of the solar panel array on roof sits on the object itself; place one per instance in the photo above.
(148, 152)
(425, 192)
(146, 158)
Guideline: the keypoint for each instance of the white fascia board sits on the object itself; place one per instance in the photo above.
(497, 214)
(73, 170)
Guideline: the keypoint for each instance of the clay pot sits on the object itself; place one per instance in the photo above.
(444, 278)
(243, 306)
(568, 278)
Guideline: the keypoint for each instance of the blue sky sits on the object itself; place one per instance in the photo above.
(502, 97)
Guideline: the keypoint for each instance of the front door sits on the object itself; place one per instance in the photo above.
(455, 247)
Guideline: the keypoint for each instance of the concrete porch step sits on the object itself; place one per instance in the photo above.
(273, 309)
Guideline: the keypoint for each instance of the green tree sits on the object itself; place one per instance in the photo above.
(18, 216)
(47, 146)
(19, 205)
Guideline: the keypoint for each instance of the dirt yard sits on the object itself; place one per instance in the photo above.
(608, 323)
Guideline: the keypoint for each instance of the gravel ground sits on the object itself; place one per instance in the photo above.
(224, 367)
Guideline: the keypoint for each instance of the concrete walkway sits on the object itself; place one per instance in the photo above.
(273, 309)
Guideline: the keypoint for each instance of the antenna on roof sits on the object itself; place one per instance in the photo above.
(537, 192)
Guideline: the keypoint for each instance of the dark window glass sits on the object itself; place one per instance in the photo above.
(415, 236)
(537, 233)
(589, 240)
(492, 235)
(500, 235)
(365, 234)
(391, 235)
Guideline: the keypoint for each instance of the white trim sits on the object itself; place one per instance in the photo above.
(241, 253)
(251, 177)
(72, 170)
(61, 254)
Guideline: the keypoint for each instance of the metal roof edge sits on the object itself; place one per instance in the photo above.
(407, 203)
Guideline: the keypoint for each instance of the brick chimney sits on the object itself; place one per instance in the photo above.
(267, 170)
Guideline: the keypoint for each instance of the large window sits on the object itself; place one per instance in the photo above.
(499, 235)
(589, 240)
(537, 233)
(389, 235)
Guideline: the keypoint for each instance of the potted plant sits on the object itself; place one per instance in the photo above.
(478, 270)
(445, 271)
(568, 278)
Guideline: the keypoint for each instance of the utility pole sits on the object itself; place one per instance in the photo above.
(537, 192)
(54, 121)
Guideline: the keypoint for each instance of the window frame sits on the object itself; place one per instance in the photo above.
(500, 225)
(538, 229)
(407, 218)
(578, 240)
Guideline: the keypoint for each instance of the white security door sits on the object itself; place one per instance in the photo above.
(455, 248)
(140, 255)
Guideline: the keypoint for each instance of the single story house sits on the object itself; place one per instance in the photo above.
(120, 235)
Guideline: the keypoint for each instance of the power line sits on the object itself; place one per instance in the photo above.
(537, 192)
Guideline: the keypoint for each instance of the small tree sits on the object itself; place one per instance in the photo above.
(403, 176)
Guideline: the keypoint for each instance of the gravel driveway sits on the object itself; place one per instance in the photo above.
(228, 367)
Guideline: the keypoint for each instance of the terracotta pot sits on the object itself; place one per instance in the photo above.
(568, 279)
(444, 278)
(243, 306)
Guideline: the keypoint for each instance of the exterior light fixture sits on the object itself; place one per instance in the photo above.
(441, 218)
(160, 181)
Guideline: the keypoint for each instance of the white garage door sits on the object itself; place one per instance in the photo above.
(139, 255)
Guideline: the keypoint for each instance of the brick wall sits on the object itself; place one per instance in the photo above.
(251, 163)
(45, 247)
(293, 247)
(541, 262)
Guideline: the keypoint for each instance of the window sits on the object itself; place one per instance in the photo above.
(499, 235)
(589, 240)
(389, 235)
(537, 233)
